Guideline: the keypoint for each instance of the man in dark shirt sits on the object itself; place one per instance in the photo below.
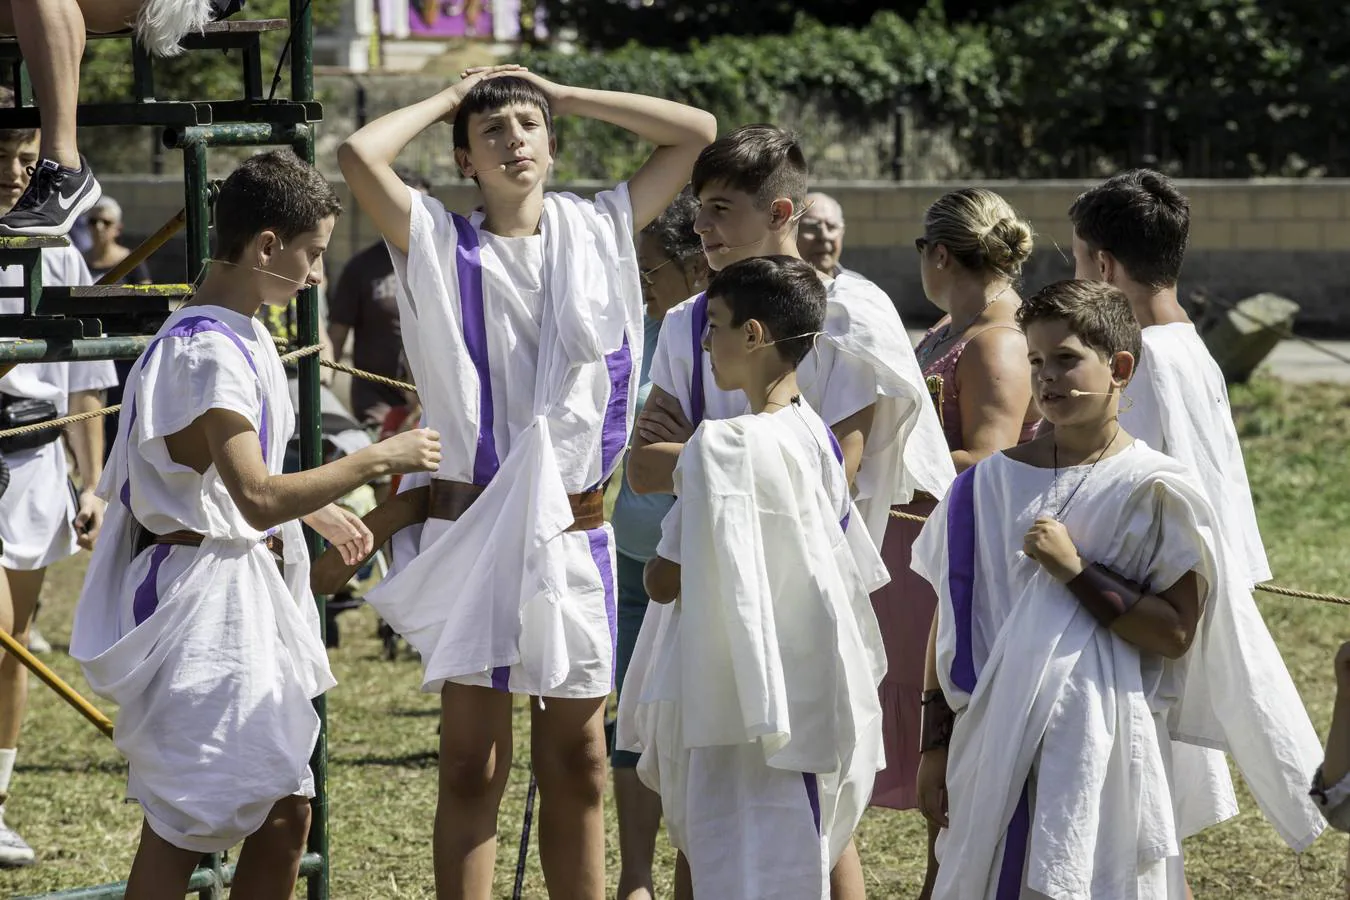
(366, 303)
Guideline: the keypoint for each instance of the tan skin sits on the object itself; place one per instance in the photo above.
(992, 375)
(1162, 623)
(510, 152)
(820, 236)
(665, 282)
(270, 859)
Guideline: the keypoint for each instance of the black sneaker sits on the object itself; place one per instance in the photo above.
(55, 198)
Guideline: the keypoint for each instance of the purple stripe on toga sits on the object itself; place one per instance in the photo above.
(961, 574)
(186, 328)
(501, 678)
(599, 540)
(146, 599)
(698, 323)
(469, 267)
(1015, 849)
(813, 798)
(839, 458)
(614, 436)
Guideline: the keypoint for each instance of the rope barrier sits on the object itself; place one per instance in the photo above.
(1265, 587)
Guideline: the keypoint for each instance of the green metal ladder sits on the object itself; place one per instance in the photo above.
(117, 322)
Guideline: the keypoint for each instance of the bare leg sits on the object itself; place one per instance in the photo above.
(160, 870)
(684, 879)
(269, 862)
(846, 878)
(15, 617)
(639, 809)
(930, 876)
(51, 36)
(568, 749)
(475, 763)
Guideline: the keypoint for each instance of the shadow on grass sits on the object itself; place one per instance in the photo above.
(424, 760)
(75, 767)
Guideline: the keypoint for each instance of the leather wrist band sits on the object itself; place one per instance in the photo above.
(936, 721)
(1105, 594)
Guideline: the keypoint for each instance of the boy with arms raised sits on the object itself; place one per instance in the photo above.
(1077, 575)
(196, 615)
(522, 325)
(1131, 232)
(753, 699)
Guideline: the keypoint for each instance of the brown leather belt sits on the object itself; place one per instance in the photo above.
(272, 542)
(442, 499)
(451, 499)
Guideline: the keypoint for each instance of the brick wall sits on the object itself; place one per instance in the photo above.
(1290, 237)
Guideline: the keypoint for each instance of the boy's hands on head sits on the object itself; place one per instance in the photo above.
(343, 529)
(418, 450)
(662, 421)
(1048, 543)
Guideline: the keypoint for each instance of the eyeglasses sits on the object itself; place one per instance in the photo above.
(921, 244)
(107, 222)
(646, 274)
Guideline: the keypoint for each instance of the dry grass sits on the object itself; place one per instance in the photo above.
(383, 734)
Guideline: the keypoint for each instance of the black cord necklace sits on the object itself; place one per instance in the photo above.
(1054, 485)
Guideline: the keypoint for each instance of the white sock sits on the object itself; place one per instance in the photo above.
(6, 771)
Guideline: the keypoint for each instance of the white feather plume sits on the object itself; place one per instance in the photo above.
(161, 25)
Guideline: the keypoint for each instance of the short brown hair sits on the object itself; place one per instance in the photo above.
(490, 95)
(1141, 219)
(782, 293)
(763, 161)
(272, 191)
(13, 135)
(1097, 313)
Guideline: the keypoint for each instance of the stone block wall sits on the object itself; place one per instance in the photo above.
(1287, 237)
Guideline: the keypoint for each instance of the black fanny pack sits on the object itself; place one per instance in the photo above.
(15, 412)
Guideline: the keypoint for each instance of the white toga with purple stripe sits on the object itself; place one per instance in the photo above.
(524, 351)
(1059, 773)
(753, 699)
(211, 653)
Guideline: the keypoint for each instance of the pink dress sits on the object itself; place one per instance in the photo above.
(905, 606)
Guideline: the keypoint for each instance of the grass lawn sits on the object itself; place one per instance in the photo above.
(67, 788)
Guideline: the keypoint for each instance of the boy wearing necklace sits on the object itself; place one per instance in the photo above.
(1075, 574)
(753, 697)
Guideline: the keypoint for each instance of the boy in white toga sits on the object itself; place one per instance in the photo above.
(753, 699)
(522, 324)
(196, 616)
(1080, 576)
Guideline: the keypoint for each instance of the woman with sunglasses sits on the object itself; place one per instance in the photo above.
(970, 256)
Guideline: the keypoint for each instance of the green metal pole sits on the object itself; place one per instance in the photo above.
(197, 202)
(40, 350)
(302, 88)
